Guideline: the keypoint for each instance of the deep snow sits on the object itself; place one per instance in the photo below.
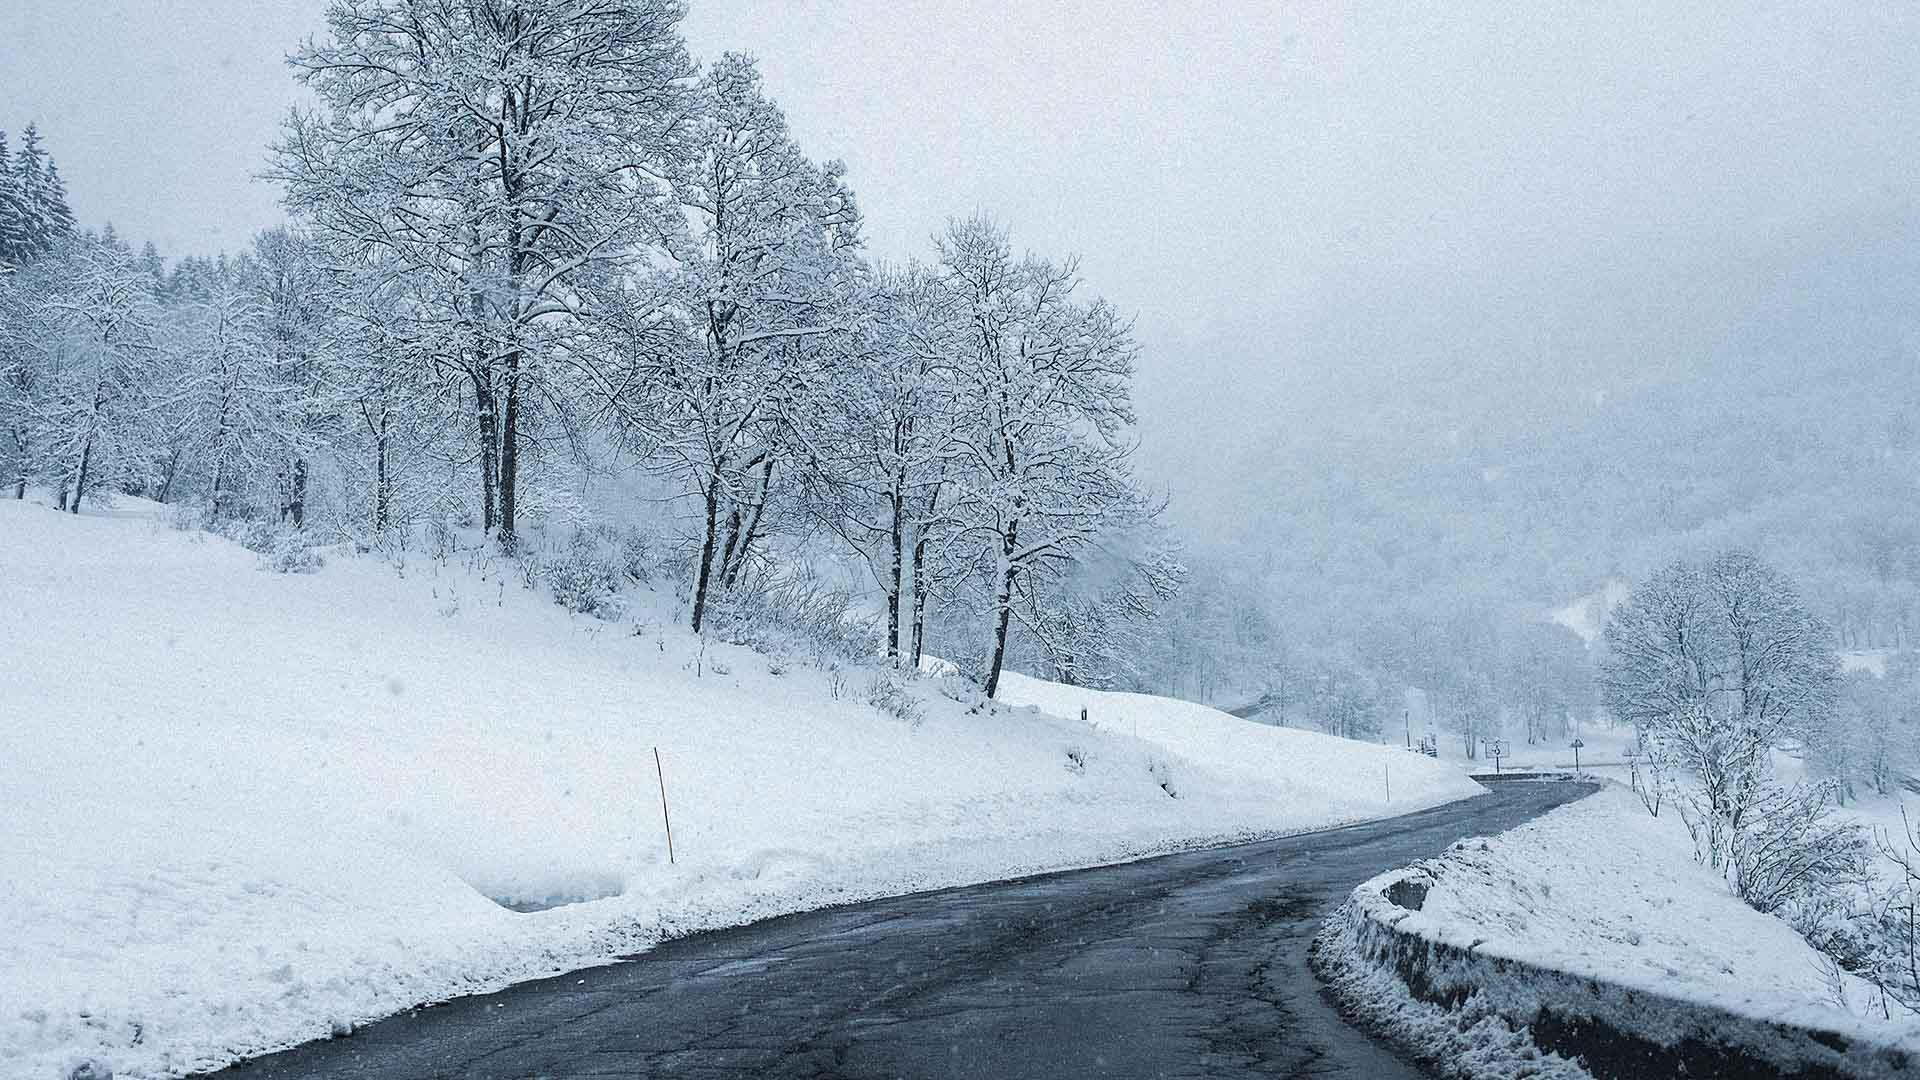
(1636, 911)
(246, 809)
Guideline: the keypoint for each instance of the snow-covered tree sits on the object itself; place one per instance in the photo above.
(1715, 664)
(34, 215)
(95, 365)
(1044, 467)
(881, 476)
(765, 284)
(505, 152)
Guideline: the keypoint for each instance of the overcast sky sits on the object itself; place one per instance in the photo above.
(1322, 214)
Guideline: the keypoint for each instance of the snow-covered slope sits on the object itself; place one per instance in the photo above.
(1637, 911)
(244, 809)
(1339, 778)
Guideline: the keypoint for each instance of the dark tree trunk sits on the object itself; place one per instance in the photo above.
(382, 485)
(80, 479)
(727, 549)
(753, 526)
(167, 475)
(893, 583)
(1004, 613)
(706, 552)
(919, 581)
(297, 495)
(510, 454)
(484, 416)
(1001, 621)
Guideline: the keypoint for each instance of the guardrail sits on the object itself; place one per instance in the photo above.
(1616, 1032)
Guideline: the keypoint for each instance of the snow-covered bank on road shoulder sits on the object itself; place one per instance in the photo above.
(1602, 888)
(1341, 778)
(1590, 937)
(246, 809)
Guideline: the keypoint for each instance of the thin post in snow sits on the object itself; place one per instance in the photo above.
(661, 775)
(1386, 770)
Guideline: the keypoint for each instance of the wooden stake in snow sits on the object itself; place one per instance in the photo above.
(1387, 771)
(661, 775)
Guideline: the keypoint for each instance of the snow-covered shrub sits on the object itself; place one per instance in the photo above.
(441, 539)
(638, 557)
(584, 582)
(889, 694)
(256, 536)
(293, 555)
(797, 613)
(186, 517)
(960, 688)
(1793, 851)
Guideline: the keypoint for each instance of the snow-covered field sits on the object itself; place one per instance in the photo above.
(245, 809)
(1635, 911)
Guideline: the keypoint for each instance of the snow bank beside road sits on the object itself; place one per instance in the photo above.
(247, 809)
(1600, 887)
(1592, 931)
(1340, 778)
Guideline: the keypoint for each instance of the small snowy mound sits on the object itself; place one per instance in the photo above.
(248, 808)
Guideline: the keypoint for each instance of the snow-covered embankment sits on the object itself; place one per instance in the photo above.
(1589, 943)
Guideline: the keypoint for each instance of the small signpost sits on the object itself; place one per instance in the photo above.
(1497, 751)
(661, 775)
(1577, 744)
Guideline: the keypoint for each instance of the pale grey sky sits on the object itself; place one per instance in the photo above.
(1322, 214)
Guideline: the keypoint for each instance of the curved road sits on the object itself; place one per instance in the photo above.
(1187, 965)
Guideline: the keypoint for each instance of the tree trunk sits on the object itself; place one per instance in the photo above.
(297, 503)
(1003, 616)
(80, 478)
(919, 581)
(893, 584)
(167, 476)
(727, 549)
(706, 552)
(484, 416)
(510, 454)
(382, 485)
(753, 526)
(1001, 620)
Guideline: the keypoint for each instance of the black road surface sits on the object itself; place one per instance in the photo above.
(1188, 965)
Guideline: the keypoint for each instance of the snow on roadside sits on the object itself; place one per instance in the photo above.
(247, 809)
(1633, 910)
(1342, 779)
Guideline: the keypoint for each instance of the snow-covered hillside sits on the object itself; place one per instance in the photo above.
(245, 809)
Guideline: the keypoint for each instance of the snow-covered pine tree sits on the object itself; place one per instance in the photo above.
(42, 198)
(13, 212)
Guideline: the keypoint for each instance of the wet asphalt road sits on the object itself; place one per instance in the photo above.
(1189, 965)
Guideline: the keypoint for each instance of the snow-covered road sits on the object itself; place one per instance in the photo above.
(1187, 965)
